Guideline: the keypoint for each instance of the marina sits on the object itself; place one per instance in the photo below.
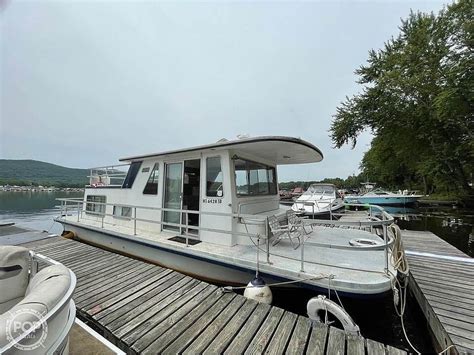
(149, 309)
(163, 189)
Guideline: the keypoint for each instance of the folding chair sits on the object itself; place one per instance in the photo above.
(284, 231)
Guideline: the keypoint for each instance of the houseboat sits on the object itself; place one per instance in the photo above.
(213, 212)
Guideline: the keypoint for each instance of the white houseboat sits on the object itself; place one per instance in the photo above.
(213, 212)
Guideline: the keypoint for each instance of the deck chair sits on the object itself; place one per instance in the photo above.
(284, 231)
(295, 222)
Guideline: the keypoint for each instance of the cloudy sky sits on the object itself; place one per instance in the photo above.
(84, 83)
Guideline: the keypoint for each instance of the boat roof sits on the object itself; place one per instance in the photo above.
(278, 149)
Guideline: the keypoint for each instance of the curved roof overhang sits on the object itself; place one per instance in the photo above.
(279, 150)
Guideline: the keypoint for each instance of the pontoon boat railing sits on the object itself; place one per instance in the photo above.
(111, 176)
(66, 301)
(78, 206)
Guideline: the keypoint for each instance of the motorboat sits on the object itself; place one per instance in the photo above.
(36, 307)
(213, 212)
(378, 196)
(318, 200)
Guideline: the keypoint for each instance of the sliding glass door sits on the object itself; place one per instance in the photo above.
(173, 195)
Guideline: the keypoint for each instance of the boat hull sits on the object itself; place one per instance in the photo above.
(214, 271)
(393, 201)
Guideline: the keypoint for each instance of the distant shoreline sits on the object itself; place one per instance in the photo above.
(40, 189)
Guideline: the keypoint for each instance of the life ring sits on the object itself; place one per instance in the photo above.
(364, 242)
(319, 304)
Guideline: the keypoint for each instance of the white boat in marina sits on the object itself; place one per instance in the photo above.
(377, 196)
(318, 200)
(36, 307)
(213, 212)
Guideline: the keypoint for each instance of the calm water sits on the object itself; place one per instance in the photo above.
(376, 318)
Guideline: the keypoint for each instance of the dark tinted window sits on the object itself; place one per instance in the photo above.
(151, 187)
(254, 178)
(131, 174)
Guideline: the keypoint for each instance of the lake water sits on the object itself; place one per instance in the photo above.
(376, 318)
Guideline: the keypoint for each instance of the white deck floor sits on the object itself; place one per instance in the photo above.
(354, 270)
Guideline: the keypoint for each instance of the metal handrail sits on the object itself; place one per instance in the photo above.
(257, 220)
(65, 301)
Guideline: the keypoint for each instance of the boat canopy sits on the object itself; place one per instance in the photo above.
(321, 189)
(280, 150)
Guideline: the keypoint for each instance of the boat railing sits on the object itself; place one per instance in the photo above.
(55, 312)
(377, 217)
(108, 176)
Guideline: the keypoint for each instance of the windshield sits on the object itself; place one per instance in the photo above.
(326, 190)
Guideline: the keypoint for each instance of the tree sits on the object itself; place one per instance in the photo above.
(417, 100)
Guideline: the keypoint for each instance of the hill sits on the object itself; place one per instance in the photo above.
(34, 172)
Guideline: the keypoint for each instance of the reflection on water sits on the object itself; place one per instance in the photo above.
(35, 210)
(453, 225)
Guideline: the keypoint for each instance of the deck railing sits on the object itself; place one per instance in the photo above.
(377, 218)
(108, 176)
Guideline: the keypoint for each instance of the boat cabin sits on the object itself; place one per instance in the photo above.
(209, 192)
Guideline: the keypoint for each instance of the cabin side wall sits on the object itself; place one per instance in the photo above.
(229, 202)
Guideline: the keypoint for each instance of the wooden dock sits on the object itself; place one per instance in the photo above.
(144, 308)
(443, 283)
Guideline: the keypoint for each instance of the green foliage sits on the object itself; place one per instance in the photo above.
(417, 100)
(350, 182)
(32, 172)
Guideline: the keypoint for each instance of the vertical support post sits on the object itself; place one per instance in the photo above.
(78, 211)
(385, 238)
(186, 230)
(302, 256)
(267, 233)
(62, 204)
(258, 255)
(65, 213)
(134, 221)
(330, 211)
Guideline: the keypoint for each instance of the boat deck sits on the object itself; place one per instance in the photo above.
(443, 283)
(352, 270)
(144, 308)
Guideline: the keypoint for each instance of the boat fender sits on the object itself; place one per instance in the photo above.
(320, 304)
(68, 234)
(258, 291)
(363, 242)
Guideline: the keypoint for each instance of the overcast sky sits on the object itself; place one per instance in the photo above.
(85, 83)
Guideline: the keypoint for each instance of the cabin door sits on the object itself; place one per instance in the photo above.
(173, 195)
(182, 191)
(191, 196)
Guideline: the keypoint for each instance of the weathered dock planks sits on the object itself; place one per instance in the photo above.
(144, 308)
(443, 287)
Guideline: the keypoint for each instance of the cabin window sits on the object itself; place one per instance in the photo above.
(131, 174)
(253, 178)
(122, 211)
(95, 204)
(151, 187)
(214, 177)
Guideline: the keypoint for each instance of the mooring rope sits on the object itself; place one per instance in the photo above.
(400, 264)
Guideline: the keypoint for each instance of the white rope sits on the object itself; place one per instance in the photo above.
(231, 288)
(400, 264)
